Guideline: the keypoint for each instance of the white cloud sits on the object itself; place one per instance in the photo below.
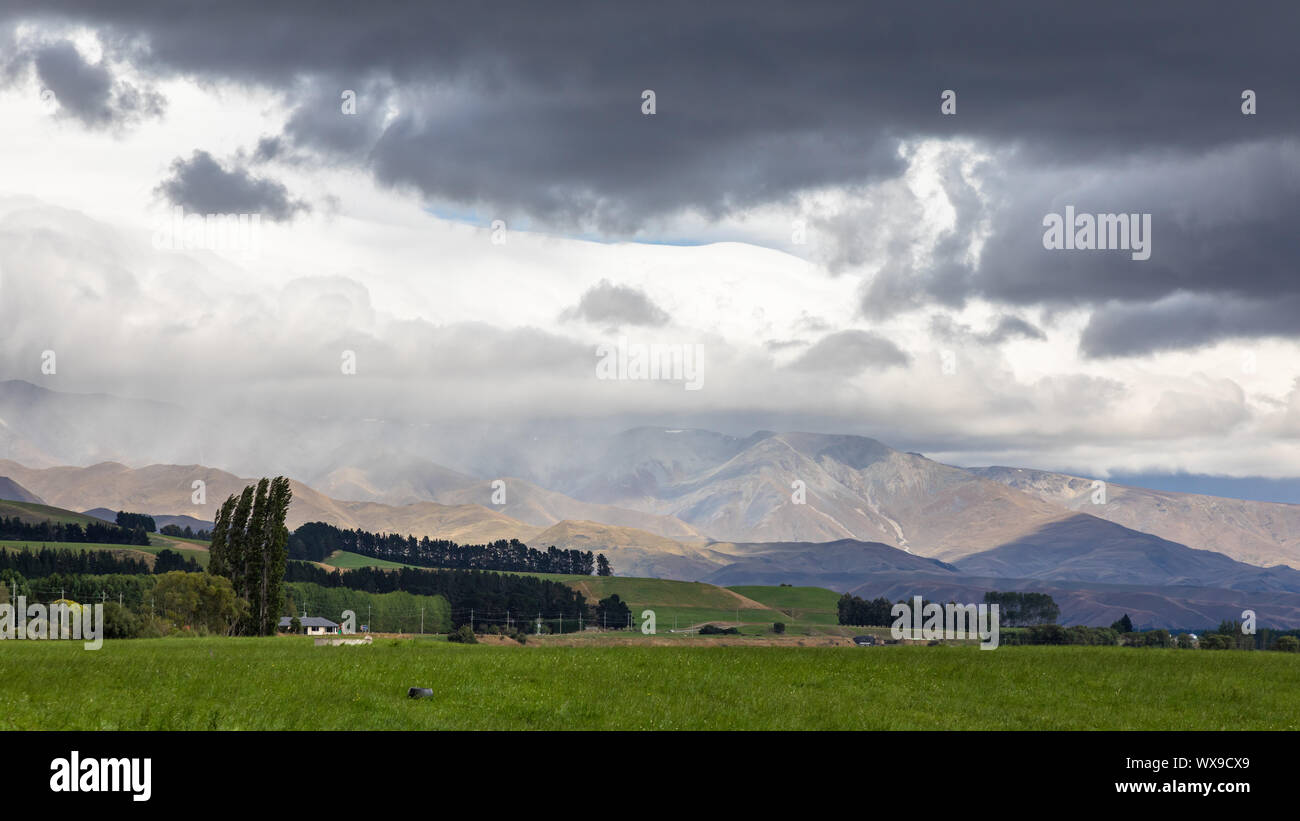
(446, 324)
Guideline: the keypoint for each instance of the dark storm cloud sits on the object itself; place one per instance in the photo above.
(754, 101)
(534, 110)
(88, 92)
(342, 127)
(1185, 321)
(616, 305)
(1222, 236)
(202, 185)
(850, 352)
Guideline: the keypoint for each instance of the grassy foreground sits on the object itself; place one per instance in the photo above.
(288, 683)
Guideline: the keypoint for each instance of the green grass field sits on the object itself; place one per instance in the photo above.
(810, 605)
(674, 602)
(159, 543)
(679, 604)
(33, 513)
(287, 683)
(346, 560)
(203, 543)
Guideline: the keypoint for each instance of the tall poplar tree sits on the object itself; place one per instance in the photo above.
(218, 550)
(250, 547)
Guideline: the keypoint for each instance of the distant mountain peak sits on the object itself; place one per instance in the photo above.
(11, 491)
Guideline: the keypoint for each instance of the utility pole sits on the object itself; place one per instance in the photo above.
(471, 620)
(421, 621)
(539, 622)
(369, 626)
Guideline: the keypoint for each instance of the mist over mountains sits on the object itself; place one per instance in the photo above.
(846, 512)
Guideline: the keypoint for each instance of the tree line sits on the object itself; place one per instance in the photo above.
(186, 532)
(143, 605)
(863, 613)
(131, 521)
(467, 591)
(1014, 608)
(34, 564)
(315, 541)
(15, 529)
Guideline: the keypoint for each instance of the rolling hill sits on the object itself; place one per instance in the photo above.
(683, 484)
(398, 480)
(168, 490)
(160, 519)
(11, 491)
(1101, 604)
(854, 488)
(32, 513)
(1262, 533)
(837, 564)
(1069, 550)
(836, 511)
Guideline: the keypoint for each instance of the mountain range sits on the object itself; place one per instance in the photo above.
(847, 512)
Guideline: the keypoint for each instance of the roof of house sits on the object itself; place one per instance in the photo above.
(309, 621)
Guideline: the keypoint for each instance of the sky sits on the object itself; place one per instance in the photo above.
(460, 208)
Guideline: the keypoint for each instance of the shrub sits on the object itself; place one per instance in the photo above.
(199, 601)
(463, 635)
(778, 627)
(1214, 641)
(1047, 634)
(120, 623)
(1157, 638)
(714, 630)
(1287, 644)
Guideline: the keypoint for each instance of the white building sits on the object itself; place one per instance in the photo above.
(313, 625)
